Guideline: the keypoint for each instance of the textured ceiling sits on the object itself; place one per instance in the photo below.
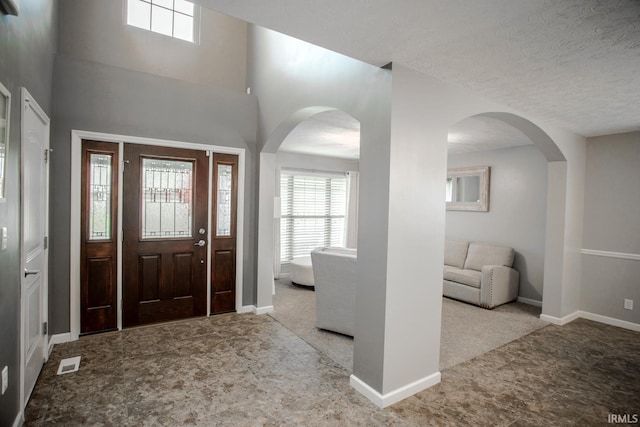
(330, 133)
(337, 134)
(571, 63)
(484, 133)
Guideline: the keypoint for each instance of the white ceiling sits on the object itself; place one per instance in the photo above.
(330, 133)
(484, 133)
(337, 134)
(572, 63)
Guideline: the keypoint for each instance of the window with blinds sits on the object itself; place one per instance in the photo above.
(312, 212)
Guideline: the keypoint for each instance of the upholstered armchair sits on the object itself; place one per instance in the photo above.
(334, 272)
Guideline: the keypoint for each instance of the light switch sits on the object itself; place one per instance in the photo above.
(3, 238)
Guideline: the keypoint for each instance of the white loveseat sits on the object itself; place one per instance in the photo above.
(479, 273)
(334, 273)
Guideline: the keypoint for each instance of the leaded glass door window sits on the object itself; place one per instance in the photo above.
(167, 190)
(100, 189)
(223, 200)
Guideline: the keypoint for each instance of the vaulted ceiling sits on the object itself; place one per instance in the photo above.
(571, 63)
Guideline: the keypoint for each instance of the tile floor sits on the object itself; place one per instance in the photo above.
(246, 370)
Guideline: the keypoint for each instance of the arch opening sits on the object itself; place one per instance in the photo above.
(316, 139)
(527, 198)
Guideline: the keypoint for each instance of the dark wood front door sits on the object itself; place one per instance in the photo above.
(223, 253)
(98, 251)
(165, 199)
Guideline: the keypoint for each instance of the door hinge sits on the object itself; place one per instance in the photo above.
(45, 328)
(46, 242)
(46, 155)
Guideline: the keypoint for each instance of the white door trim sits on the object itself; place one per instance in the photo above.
(28, 101)
(209, 234)
(76, 170)
(119, 235)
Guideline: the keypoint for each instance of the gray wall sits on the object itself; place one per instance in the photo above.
(95, 30)
(27, 48)
(284, 85)
(612, 224)
(122, 95)
(517, 210)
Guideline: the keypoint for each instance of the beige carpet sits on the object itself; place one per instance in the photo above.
(467, 331)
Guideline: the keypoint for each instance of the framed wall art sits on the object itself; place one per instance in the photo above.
(468, 189)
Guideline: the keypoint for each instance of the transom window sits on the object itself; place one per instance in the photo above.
(175, 18)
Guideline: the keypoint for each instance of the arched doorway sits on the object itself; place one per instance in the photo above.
(310, 136)
(494, 130)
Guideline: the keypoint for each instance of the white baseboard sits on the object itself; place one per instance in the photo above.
(58, 339)
(263, 310)
(255, 310)
(591, 316)
(19, 419)
(610, 321)
(382, 401)
(246, 309)
(560, 321)
(530, 301)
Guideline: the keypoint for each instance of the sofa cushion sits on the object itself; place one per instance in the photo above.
(447, 269)
(481, 254)
(466, 277)
(455, 253)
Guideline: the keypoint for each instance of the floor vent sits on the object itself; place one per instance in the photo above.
(71, 364)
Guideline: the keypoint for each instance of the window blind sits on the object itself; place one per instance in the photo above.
(312, 212)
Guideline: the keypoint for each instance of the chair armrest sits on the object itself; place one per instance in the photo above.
(499, 285)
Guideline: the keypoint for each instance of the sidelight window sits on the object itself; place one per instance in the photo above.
(100, 196)
(223, 200)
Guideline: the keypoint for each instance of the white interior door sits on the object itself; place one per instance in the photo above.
(34, 196)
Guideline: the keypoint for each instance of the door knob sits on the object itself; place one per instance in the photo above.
(200, 243)
(30, 272)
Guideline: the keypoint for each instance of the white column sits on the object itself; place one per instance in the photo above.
(399, 293)
(266, 190)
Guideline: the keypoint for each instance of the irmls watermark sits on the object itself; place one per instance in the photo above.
(623, 418)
